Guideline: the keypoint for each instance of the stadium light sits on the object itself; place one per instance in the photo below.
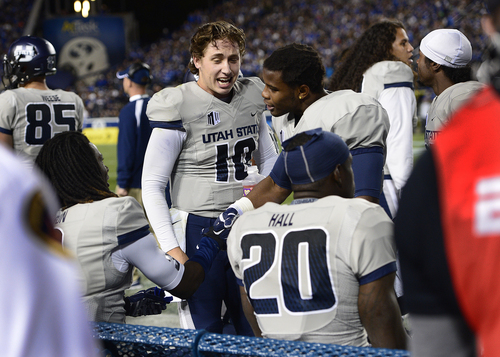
(85, 8)
(77, 6)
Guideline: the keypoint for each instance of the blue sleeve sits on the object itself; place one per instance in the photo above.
(133, 236)
(6, 131)
(126, 147)
(368, 168)
(279, 175)
(166, 124)
(379, 273)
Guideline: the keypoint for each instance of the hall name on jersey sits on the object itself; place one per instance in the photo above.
(281, 220)
(229, 134)
(51, 98)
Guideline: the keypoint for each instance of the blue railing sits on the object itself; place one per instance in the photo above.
(134, 340)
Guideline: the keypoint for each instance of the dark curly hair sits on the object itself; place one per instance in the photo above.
(211, 32)
(374, 45)
(299, 64)
(70, 164)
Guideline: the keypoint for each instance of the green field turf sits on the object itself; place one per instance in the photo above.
(109, 154)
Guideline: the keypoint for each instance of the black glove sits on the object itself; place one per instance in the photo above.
(146, 302)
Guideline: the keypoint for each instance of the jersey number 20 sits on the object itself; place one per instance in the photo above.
(295, 271)
(39, 116)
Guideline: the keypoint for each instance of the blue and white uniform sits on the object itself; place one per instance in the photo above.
(359, 120)
(445, 104)
(302, 265)
(133, 136)
(33, 116)
(203, 145)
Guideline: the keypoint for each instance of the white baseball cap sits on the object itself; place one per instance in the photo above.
(447, 47)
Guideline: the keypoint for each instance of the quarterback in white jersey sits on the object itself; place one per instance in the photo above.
(30, 112)
(205, 135)
(306, 267)
(42, 314)
(443, 64)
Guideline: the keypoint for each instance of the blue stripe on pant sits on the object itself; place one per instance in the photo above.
(219, 285)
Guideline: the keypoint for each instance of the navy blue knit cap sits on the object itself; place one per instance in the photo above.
(315, 159)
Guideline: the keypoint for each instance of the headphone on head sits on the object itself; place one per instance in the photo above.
(138, 66)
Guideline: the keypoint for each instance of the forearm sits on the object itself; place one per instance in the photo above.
(6, 139)
(197, 267)
(163, 148)
(151, 261)
(266, 155)
(267, 191)
(249, 313)
(380, 314)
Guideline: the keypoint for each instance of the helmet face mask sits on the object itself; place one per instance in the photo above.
(28, 57)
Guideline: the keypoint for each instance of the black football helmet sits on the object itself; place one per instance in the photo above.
(28, 57)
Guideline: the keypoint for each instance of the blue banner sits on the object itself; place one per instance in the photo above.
(86, 46)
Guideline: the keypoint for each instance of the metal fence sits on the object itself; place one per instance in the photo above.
(134, 340)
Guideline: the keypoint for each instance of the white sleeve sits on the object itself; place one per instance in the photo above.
(400, 104)
(163, 149)
(160, 268)
(266, 155)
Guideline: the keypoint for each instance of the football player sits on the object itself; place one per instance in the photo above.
(295, 96)
(378, 64)
(443, 64)
(30, 112)
(109, 235)
(205, 134)
(322, 268)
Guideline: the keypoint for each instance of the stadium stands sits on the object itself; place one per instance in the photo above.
(329, 26)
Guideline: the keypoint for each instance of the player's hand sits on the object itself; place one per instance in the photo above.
(222, 226)
(147, 302)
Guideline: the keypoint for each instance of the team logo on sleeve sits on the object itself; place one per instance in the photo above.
(213, 118)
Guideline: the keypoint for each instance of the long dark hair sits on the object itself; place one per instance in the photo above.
(70, 164)
(374, 45)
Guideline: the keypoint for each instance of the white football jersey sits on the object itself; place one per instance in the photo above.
(42, 313)
(221, 138)
(357, 118)
(302, 265)
(91, 232)
(445, 104)
(33, 116)
(391, 83)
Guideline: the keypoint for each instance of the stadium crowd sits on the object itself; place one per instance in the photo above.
(329, 27)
